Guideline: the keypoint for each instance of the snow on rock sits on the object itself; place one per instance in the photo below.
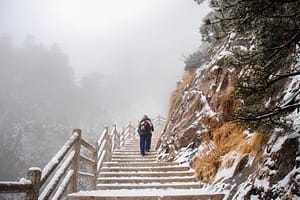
(262, 166)
(225, 171)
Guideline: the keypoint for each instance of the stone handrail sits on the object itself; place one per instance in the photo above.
(159, 121)
(62, 173)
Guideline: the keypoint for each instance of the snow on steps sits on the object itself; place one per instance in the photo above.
(131, 176)
(147, 194)
(138, 179)
(145, 174)
(139, 164)
(145, 168)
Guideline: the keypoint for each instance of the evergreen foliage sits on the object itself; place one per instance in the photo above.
(265, 68)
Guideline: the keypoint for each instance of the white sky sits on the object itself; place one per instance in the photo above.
(110, 36)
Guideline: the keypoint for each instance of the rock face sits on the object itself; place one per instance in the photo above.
(226, 155)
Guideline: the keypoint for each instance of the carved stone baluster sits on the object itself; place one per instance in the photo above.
(34, 175)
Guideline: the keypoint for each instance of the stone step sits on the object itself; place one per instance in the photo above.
(131, 176)
(145, 169)
(141, 159)
(174, 185)
(146, 194)
(145, 174)
(138, 142)
(136, 147)
(131, 150)
(139, 164)
(132, 156)
(132, 153)
(137, 179)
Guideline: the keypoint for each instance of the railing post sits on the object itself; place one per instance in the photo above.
(122, 137)
(34, 175)
(115, 138)
(72, 187)
(108, 144)
(131, 130)
(94, 170)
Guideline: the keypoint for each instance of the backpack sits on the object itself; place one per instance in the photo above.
(145, 126)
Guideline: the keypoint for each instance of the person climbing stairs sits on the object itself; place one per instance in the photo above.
(130, 176)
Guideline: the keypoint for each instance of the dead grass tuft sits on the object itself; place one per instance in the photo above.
(206, 165)
(176, 96)
(253, 145)
(228, 138)
(175, 100)
(225, 103)
(196, 105)
(187, 79)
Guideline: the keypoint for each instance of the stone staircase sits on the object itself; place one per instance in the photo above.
(131, 176)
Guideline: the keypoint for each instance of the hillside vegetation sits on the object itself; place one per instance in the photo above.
(235, 114)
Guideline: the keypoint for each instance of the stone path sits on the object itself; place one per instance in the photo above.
(131, 176)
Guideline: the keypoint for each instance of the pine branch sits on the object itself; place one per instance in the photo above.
(276, 111)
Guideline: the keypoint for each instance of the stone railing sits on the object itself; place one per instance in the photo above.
(62, 173)
(159, 121)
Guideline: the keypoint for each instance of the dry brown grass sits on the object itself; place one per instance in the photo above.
(176, 96)
(206, 165)
(175, 100)
(225, 103)
(196, 105)
(187, 79)
(228, 138)
(253, 145)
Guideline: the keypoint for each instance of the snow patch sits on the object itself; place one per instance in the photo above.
(225, 172)
(231, 69)
(215, 68)
(35, 169)
(185, 155)
(24, 181)
(206, 109)
(262, 183)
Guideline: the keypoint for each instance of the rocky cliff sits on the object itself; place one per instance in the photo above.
(229, 152)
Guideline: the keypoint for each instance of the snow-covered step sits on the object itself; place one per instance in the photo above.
(130, 156)
(138, 179)
(141, 159)
(131, 151)
(156, 185)
(137, 144)
(131, 176)
(135, 152)
(137, 147)
(139, 164)
(147, 194)
(145, 169)
(146, 174)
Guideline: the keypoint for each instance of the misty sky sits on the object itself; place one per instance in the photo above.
(113, 37)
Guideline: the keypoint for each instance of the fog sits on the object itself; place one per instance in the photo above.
(84, 63)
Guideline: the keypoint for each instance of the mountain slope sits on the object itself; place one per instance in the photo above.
(239, 138)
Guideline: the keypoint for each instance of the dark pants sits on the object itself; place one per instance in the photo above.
(148, 142)
(145, 142)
